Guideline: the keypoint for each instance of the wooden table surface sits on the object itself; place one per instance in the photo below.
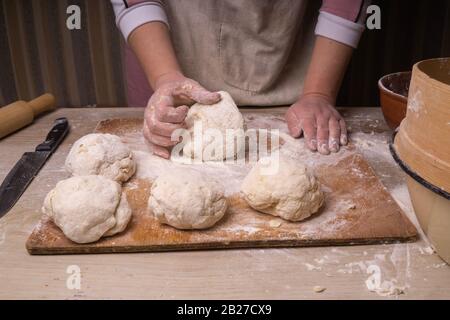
(290, 273)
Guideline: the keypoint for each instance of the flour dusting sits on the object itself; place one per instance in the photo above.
(415, 102)
(393, 261)
(231, 174)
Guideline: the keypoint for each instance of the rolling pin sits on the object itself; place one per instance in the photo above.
(21, 113)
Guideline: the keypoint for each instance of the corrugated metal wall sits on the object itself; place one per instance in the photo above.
(39, 54)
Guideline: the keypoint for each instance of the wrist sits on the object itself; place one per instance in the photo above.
(318, 95)
(167, 77)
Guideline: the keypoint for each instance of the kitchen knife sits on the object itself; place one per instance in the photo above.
(20, 176)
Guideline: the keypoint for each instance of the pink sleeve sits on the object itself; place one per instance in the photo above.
(342, 20)
(347, 9)
(130, 3)
(131, 14)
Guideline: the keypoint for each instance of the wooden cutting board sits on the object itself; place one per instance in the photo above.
(358, 210)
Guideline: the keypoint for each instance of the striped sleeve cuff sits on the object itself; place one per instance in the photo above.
(137, 15)
(339, 29)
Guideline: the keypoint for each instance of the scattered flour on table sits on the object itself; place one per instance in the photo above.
(437, 265)
(311, 267)
(387, 271)
(387, 275)
(373, 146)
(426, 250)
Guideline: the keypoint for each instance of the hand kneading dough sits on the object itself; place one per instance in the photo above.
(291, 193)
(185, 199)
(101, 154)
(220, 116)
(86, 208)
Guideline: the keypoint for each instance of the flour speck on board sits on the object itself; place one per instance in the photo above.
(275, 223)
(242, 229)
(312, 267)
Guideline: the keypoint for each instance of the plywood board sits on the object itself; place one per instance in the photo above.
(358, 210)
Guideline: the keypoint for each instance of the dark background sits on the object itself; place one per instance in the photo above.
(38, 54)
(410, 31)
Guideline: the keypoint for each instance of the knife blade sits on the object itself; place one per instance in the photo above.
(24, 171)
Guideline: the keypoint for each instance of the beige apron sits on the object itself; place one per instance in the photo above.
(257, 50)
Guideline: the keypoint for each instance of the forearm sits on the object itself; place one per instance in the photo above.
(327, 68)
(153, 47)
(338, 30)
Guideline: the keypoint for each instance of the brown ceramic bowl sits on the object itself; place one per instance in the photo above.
(394, 97)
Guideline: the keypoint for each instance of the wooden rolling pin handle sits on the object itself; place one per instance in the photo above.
(43, 103)
(20, 113)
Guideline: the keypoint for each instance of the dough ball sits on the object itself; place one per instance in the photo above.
(215, 120)
(122, 216)
(283, 187)
(86, 208)
(101, 154)
(186, 199)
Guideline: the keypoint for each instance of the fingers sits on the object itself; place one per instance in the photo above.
(160, 140)
(321, 124)
(196, 92)
(162, 105)
(343, 138)
(166, 112)
(335, 133)
(159, 143)
(293, 123)
(160, 151)
(310, 132)
(323, 135)
(163, 128)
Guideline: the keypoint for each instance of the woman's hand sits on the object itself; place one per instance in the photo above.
(167, 109)
(322, 126)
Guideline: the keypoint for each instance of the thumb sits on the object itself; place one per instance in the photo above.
(199, 94)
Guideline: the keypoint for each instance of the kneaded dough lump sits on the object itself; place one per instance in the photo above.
(220, 116)
(86, 208)
(186, 199)
(283, 187)
(101, 154)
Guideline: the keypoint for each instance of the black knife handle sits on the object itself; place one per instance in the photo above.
(55, 136)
